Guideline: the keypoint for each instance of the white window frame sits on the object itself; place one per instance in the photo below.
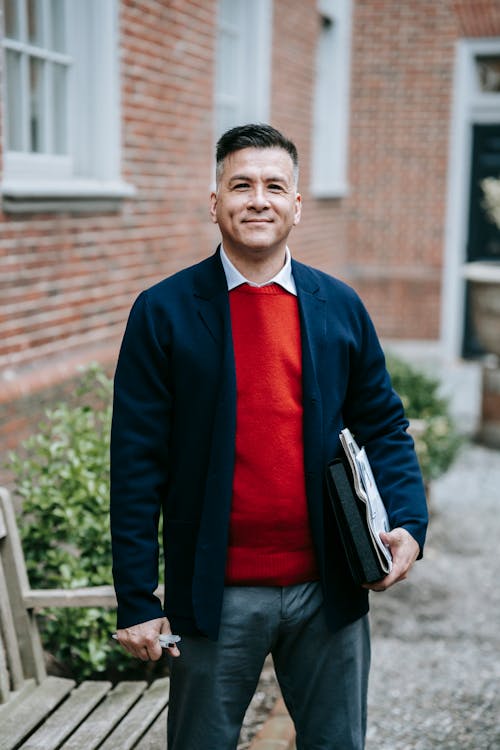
(471, 106)
(91, 170)
(330, 141)
(251, 67)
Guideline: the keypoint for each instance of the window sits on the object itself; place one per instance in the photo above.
(242, 77)
(331, 102)
(488, 73)
(61, 113)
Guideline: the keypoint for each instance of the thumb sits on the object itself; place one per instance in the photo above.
(386, 538)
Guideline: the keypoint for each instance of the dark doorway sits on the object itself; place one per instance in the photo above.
(483, 241)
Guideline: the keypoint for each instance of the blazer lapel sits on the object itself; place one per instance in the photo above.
(312, 308)
(210, 292)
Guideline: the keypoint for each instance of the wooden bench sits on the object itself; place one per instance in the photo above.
(41, 712)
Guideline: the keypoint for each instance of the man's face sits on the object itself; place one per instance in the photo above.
(256, 203)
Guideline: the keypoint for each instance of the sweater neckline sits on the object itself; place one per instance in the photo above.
(267, 289)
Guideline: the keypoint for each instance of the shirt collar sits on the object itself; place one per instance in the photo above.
(284, 277)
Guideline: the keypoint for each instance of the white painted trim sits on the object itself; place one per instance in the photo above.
(329, 174)
(47, 167)
(260, 15)
(71, 188)
(469, 107)
(252, 65)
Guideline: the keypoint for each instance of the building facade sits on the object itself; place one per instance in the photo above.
(109, 114)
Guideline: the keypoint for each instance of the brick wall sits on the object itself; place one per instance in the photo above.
(67, 281)
(386, 238)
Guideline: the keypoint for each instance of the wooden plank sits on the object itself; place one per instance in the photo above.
(9, 637)
(90, 596)
(140, 718)
(15, 698)
(4, 674)
(26, 716)
(16, 577)
(15, 549)
(3, 527)
(156, 737)
(63, 722)
(106, 716)
(94, 596)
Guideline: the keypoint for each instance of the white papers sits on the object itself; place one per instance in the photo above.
(367, 491)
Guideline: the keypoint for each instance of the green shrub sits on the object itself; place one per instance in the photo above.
(62, 474)
(437, 440)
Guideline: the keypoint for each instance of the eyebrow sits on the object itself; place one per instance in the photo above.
(246, 178)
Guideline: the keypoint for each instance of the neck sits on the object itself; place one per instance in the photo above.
(256, 268)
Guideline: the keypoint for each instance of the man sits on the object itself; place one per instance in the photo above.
(234, 380)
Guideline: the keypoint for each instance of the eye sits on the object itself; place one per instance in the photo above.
(275, 187)
(240, 186)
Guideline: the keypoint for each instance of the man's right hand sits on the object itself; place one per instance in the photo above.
(141, 640)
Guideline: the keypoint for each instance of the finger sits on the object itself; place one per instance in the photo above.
(138, 653)
(155, 654)
(144, 651)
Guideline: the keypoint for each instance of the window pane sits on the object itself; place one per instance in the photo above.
(36, 68)
(35, 25)
(12, 27)
(14, 101)
(489, 73)
(58, 25)
(59, 81)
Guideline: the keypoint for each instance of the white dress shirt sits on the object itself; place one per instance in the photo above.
(284, 277)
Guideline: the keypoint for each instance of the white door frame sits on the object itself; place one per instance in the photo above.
(470, 106)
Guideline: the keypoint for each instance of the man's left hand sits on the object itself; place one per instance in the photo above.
(404, 550)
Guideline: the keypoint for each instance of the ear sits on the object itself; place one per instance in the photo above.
(298, 209)
(213, 207)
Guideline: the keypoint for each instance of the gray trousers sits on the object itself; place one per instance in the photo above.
(323, 676)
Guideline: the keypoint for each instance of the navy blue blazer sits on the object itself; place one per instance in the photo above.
(173, 438)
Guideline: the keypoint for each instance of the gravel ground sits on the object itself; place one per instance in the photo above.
(435, 679)
(262, 703)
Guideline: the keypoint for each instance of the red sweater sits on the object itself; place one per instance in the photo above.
(269, 540)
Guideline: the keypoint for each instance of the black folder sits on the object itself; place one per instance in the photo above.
(350, 514)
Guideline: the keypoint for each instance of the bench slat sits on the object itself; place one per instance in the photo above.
(27, 715)
(7, 628)
(89, 596)
(92, 733)
(3, 527)
(140, 718)
(63, 722)
(156, 737)
(93, 596)
(16, 698)
(4, 675)
(16, 579)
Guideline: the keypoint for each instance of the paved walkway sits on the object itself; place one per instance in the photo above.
(435, 680)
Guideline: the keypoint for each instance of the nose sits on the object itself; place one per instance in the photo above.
(258, 199)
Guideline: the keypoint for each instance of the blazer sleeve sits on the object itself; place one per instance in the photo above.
(139, 446)
(374, 413)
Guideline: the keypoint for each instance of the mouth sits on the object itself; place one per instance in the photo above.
(257, 221)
